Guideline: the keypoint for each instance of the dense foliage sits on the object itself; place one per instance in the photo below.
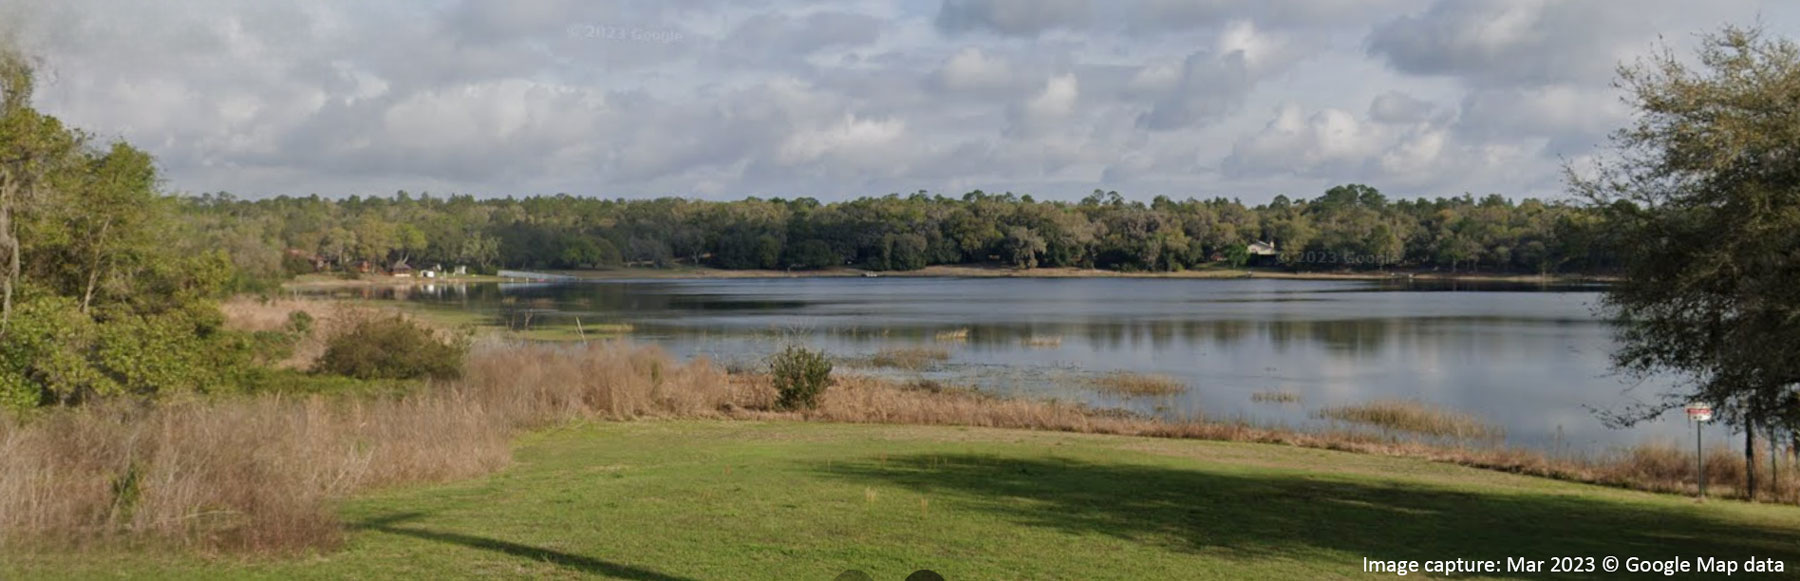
(105, 289)
(1705, 188)
(1350, 226)
(392, 347)
(800, 376)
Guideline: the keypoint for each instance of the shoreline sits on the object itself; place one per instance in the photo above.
(949, 271)
(327, 282)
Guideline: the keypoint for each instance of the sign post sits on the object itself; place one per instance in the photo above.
(1700, 413)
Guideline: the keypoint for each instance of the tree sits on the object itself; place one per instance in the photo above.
(375, 239)
(481, 249)
(1705, 188)
(119, 195)
(1237, 255)
(813, 254)
(1021, 247)
(113, 292)
(33, 146)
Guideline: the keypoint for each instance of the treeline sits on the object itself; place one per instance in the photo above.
(1350, 226)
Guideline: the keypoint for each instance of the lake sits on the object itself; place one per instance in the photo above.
(1529, 358)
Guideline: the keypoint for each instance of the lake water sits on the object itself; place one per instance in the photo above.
(1531, 359)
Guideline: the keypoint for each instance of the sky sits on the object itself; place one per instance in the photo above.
(835, 100)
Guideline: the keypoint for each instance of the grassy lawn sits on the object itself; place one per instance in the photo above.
(743, 500)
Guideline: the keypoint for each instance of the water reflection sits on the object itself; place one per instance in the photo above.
(1530, 357)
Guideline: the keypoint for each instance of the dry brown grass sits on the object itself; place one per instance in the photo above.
(250, 314)
(912, 358)
(1415, 417)
(265, 473)
(1132, 384)
(1655, 467)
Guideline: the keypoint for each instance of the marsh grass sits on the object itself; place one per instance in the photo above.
(264, 473)
(254, 314)
(1415, 417)
(248, 314)
(1043, 342)
(910, 358)
(1275, 396)
(954, 335)
(1132, 384)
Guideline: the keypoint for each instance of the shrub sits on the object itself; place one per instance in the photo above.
(54, 354)
(800, 375)
(391, 347)
(300, 322)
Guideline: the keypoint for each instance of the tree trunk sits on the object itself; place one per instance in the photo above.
(1750, 457)
(87, 296)
(12, 247)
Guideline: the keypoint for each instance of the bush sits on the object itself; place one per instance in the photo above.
(300, 323)
(800, 375)
(53, 354)
(391, 347)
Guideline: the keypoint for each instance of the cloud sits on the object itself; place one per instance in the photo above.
(763, 39)
(1535, 42)
(1330, 141)
(1210, 84)
(1336, 146)
(859, 142)
(794, 97)
(1571, 119)
(1179, 15)
(971, 69)
(1399, 107)
(1051, 106)
(1012, 17)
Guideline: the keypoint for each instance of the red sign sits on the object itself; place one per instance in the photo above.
(1699, 412)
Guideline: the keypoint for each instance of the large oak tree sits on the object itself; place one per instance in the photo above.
(1704, 187)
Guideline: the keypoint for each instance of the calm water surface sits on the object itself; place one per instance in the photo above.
(1531, 359)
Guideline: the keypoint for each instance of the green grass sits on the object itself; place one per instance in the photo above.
(557, 331)
(783, 500)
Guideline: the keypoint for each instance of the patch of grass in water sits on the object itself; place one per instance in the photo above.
(1275, 396)
(1133, 384)
(1414, 416)
(910, 358)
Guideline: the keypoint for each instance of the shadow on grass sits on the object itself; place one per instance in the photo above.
(1238, 516)
(589, 565)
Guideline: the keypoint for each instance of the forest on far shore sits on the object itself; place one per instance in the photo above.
(1347, 227)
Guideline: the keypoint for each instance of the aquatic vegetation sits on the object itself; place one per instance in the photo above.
(911, 358)
(1414, 416)
(1275, 396)
(1133, 384)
